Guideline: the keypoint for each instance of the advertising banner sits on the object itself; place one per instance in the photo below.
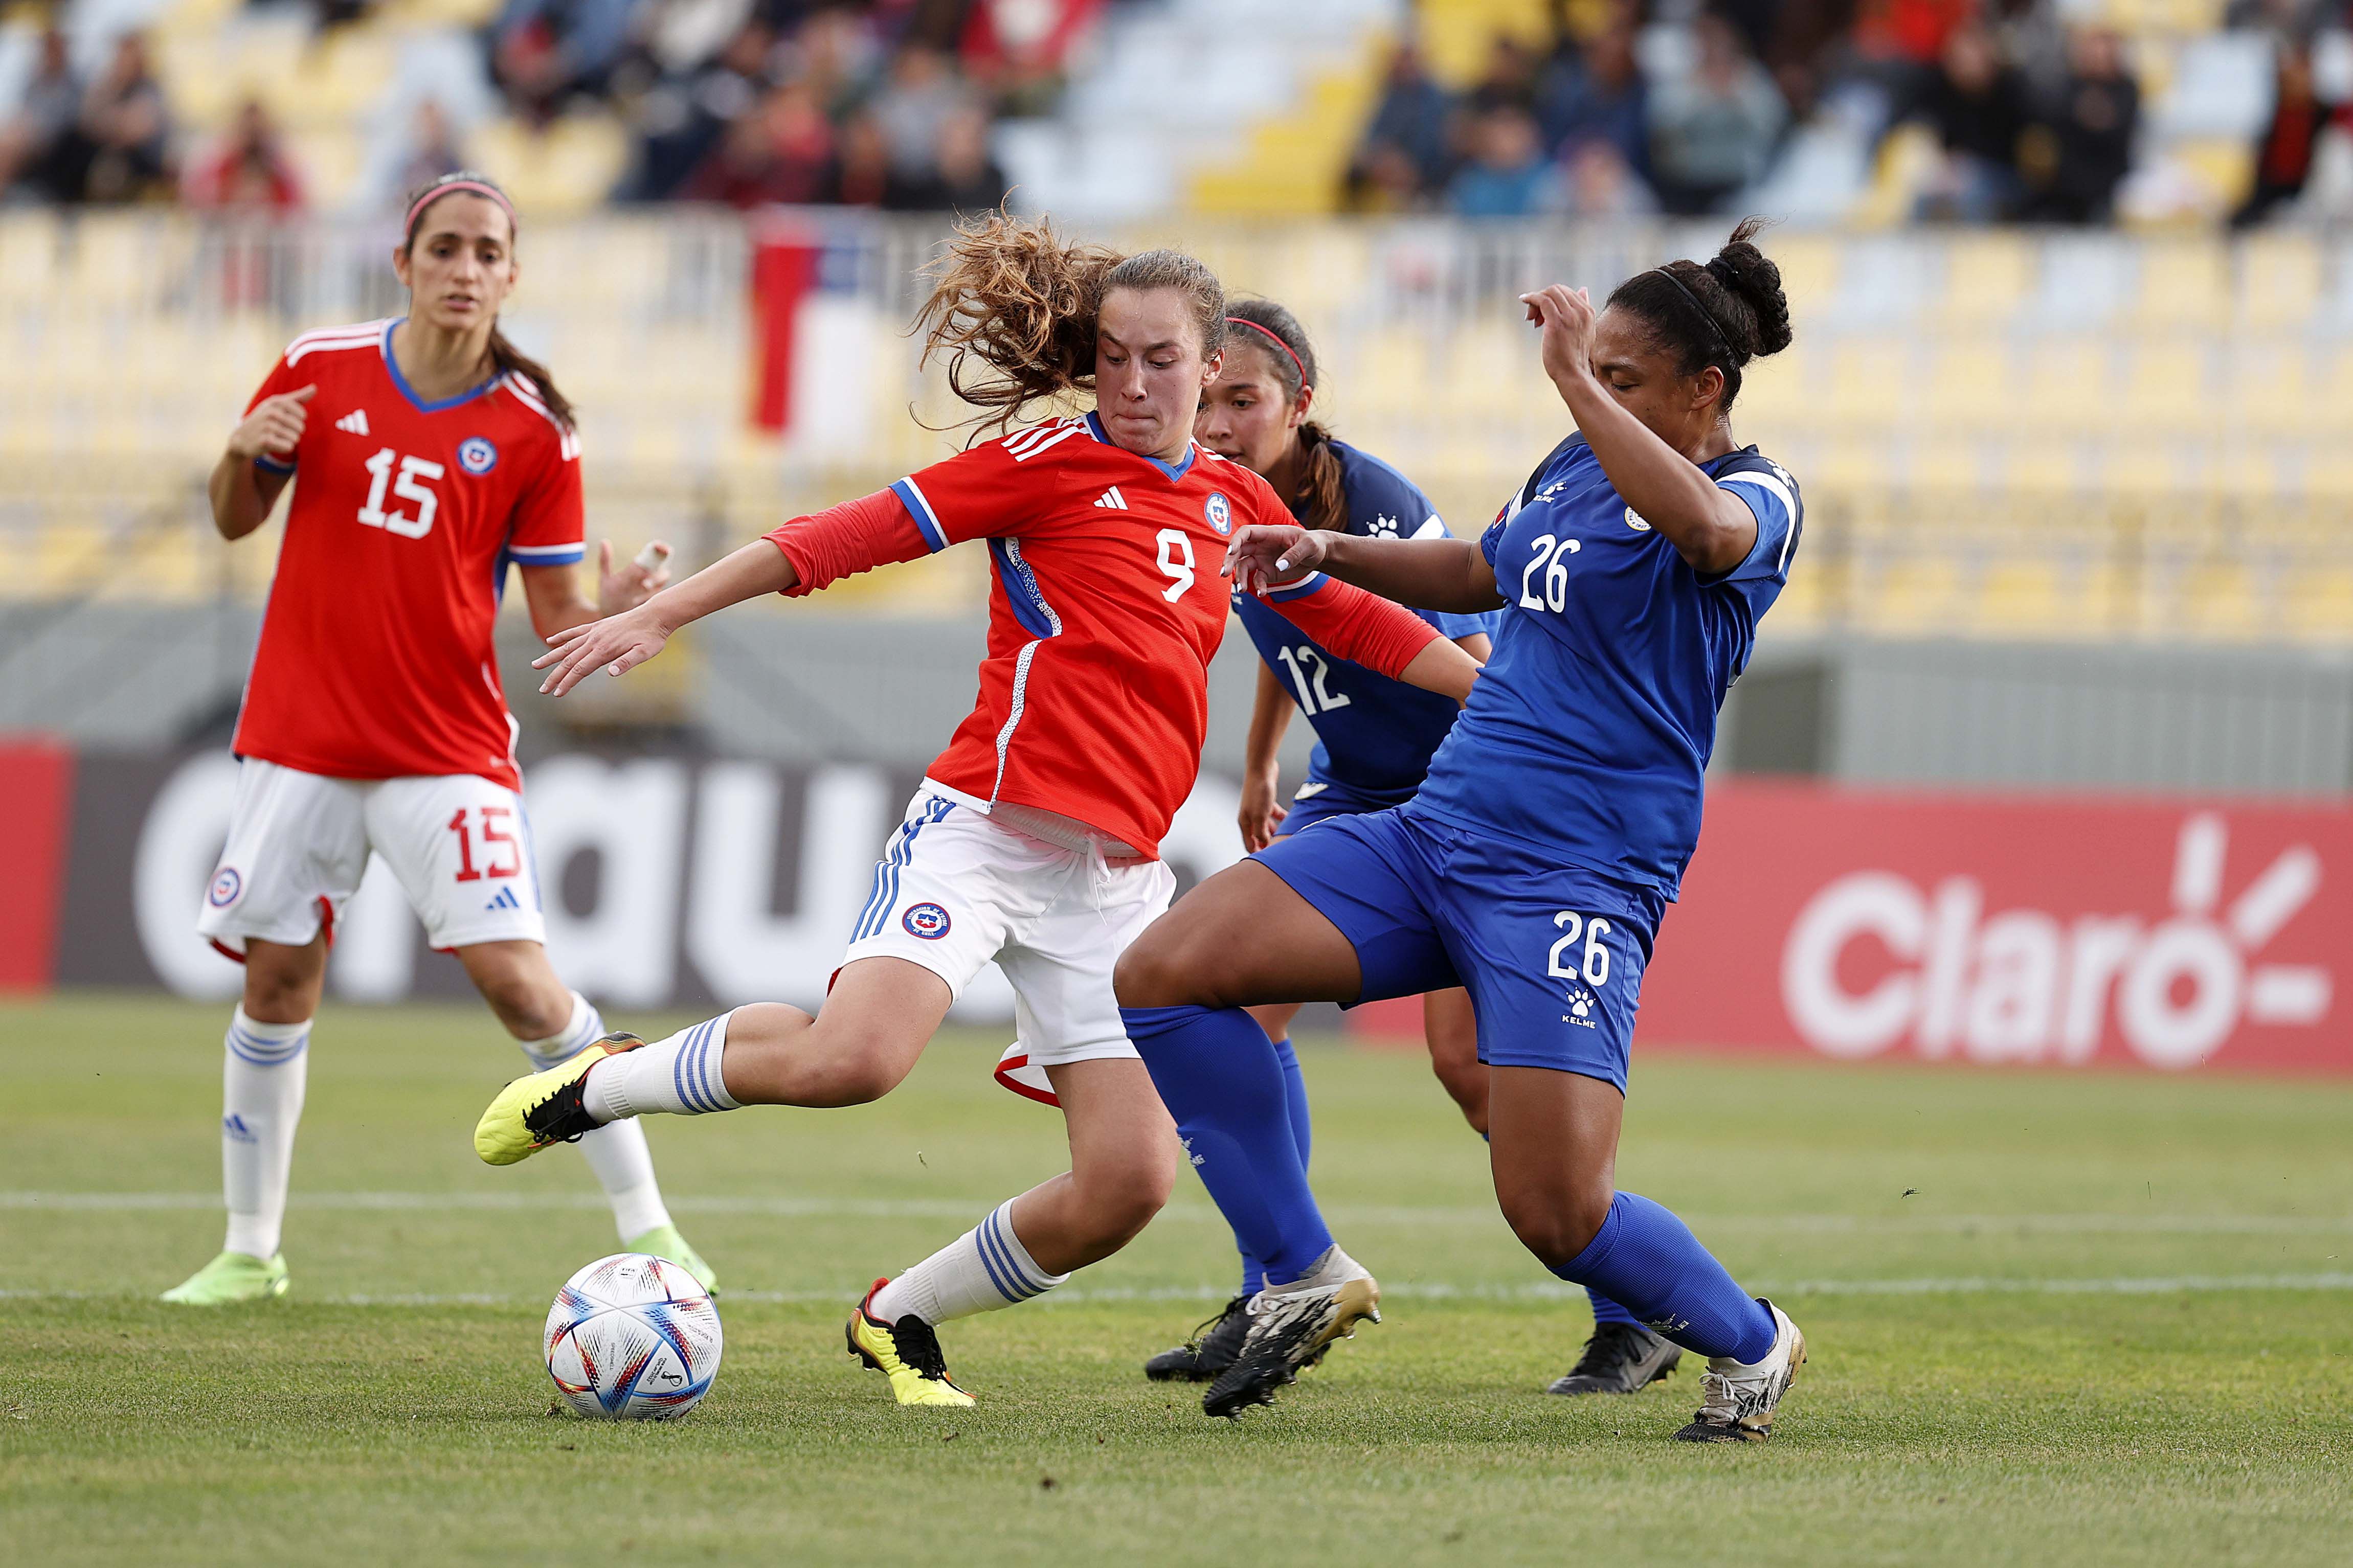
(1846, 924)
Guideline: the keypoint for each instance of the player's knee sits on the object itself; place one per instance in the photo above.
(1553, 1226)
(1160, 970)
(1121, 1201)
(530, 1010)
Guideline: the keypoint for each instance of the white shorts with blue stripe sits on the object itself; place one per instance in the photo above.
(954, 890)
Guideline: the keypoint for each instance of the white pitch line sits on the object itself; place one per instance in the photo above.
(1353, 1213)
(1412, 1289)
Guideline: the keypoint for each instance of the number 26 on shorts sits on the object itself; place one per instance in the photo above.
(1591, 965)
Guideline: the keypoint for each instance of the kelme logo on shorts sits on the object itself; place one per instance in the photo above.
(476, 456)
(226, 886)
(1219, 512)
(927, 920)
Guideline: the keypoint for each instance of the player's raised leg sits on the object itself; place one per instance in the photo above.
(264, 1067)
(554, 1023)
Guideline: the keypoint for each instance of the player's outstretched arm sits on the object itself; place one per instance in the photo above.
(241, 493)
(1261, 812)
(557, 604)
(621, 643)
(1450, 575)
(1711, 529)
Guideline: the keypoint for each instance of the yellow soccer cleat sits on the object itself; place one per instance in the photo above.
(543, 1107)
(907, 1352)
(664, 1241)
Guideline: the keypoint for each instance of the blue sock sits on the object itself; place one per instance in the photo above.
(1295, 1088)
(1223, 1079)
(1606, 1310)
(1646, 1258)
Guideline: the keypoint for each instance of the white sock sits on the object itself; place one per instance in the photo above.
(624, 1165)
(985, 1268)
(680, 1075)
(262, 1077)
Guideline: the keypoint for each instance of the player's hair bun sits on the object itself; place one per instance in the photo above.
(1759, 321)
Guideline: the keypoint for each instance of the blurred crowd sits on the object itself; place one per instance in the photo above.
(1637, 106)
(880, 103)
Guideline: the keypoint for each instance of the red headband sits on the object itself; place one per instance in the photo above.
(1274, 337)
(471, 187)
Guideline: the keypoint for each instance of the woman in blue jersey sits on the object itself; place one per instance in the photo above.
(1538, 858)
(1374, 736)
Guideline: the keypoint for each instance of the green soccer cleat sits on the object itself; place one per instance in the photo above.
(664, 1241)
(230, 1280)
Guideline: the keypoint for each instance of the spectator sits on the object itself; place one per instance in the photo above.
(1599, 182)
(963, 178)
(1713, 130)
(119, 148)
(781, 153)
(37, 144)
(918, 96)
(1403, 155)
(1019, 51)
(246, 170)
(433, 149)
(1599, 96)
(543, 51)
(1977, 104)
(1509, 81)
(681, 119)
(2078, 153)
(2284, 151)
(1507, 173)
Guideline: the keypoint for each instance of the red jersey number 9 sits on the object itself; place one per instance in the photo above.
(1177, 560)
(405, 487)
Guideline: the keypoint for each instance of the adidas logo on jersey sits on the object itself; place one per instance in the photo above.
(355, 422)
(1112, 499)
(505, 900)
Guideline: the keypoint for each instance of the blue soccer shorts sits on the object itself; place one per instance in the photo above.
(1320, 799)
(1552, 955)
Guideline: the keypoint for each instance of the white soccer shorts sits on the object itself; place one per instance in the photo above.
(298, 843)
(954, 890)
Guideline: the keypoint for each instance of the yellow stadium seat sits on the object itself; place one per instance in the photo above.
(2318, 603)
(2070, 383)
(2184, 283)
(1870, 382)
(1809, 271)
(1987, 275)
(1971, 385)
(2279, 276)
(2171, 387)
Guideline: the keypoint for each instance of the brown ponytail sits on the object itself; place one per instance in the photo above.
(1320, 502)
(1013, 308)
(505, 358)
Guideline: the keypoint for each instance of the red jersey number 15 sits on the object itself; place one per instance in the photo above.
(405, 487)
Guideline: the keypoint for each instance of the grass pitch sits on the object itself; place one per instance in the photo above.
(2053, 1319)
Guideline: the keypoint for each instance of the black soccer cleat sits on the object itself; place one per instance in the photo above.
(1289, 1332)
(1621, 1358)
(1215, 1346)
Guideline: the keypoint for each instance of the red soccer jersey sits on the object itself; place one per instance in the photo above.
(1106, 610)
(376, 658)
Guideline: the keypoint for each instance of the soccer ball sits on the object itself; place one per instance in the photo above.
(633, 1338)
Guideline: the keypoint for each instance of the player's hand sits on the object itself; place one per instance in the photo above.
(275, 426)
(1260, 813)
(1566, 316)
(1261, 557)
(635, 583)
(617, 643)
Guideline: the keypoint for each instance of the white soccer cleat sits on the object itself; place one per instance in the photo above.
(1738, 1400)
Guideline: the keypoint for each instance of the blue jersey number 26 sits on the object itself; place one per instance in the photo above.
(1551, 558)
(1594, 969)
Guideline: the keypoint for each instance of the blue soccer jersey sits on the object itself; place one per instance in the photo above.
(1592, 724)
(1374, 736)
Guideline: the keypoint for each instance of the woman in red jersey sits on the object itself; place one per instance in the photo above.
(1035, 839)
(432, 455)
